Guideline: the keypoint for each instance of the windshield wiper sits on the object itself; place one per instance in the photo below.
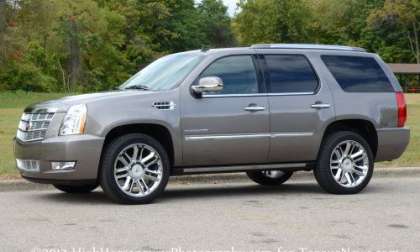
(138, 87)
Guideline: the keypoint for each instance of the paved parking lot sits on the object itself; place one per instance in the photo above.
(236, 216)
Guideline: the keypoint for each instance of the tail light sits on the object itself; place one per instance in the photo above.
(402, 109)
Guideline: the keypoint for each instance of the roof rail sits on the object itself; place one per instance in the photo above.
(308, 46)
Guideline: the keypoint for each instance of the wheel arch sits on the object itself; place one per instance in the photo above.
(363, 127)
(158, 131)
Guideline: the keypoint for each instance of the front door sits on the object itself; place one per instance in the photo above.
(230, 126)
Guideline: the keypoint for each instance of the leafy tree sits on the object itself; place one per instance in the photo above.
(63, 45)
(341, 22)
(215, 24)
(397, 23)
(267, 21)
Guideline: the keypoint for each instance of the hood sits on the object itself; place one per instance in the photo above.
(62, 104)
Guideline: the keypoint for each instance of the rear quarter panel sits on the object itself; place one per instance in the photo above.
(378, 108)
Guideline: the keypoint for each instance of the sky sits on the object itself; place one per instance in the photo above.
(231, 4)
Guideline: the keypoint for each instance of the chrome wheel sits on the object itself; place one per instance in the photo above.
(349, 163)
(138, 170)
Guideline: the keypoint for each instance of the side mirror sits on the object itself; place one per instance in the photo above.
(208, 84)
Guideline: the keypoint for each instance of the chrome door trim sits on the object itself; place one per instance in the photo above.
(224, 137)
(243, 167)
(292, 134)
(245, 136)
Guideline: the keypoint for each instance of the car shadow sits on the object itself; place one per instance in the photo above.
(211, 191)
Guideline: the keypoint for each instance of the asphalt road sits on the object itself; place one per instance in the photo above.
(238, 216)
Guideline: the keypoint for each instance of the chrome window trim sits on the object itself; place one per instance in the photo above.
(256, 95)
(245, 136)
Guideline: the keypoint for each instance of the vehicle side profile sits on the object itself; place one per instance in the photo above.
(267, 110)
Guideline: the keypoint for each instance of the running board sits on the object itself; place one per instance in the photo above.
(240, 168)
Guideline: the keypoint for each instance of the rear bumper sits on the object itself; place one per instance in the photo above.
(85, 150)
(392, 143)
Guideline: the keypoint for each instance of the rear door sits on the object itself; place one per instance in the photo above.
(300, 104)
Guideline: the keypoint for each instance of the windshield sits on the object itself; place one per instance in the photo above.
(164, 73)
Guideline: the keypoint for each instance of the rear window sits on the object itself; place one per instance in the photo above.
(358, 74)
(290, 74)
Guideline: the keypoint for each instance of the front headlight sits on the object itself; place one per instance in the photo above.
(74, 121)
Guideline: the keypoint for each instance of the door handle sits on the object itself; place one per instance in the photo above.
(254, 108)
(320, 105)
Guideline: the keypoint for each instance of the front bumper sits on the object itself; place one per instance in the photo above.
(85, 150)
(392, 143)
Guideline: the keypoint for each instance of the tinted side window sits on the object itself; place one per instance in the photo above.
(290, 74)
(358, 74)
(237, 72)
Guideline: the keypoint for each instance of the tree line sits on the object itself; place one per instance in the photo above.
(89, 45)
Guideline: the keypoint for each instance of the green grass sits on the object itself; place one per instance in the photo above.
(12, 105)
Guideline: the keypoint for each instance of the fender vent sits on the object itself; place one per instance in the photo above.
(164, 105)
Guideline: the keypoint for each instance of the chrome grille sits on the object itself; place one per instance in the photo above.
(33, 127)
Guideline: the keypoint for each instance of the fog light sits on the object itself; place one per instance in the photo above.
(62, 165)
(28, 165)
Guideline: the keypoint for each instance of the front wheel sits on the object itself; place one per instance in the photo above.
(76, 188)
(135, 169)
(269, 177)
(345, 164)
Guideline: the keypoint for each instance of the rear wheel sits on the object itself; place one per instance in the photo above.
(269, 177)
(76, 189)
(345, 164)
(135, 169)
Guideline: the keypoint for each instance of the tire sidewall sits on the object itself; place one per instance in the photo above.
(323, 172)
(107, 179)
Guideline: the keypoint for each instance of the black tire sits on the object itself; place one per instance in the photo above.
(107, 180)
(76, 189)
(261, 178)
(323, 173)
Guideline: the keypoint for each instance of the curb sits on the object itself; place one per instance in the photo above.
(408, 172)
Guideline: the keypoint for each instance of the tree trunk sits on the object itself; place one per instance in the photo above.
(74, 63)
(416, 42)
(3, 27)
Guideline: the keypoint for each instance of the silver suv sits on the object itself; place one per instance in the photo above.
(267, 110)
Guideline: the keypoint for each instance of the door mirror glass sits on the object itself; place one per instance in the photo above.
(208, 84)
